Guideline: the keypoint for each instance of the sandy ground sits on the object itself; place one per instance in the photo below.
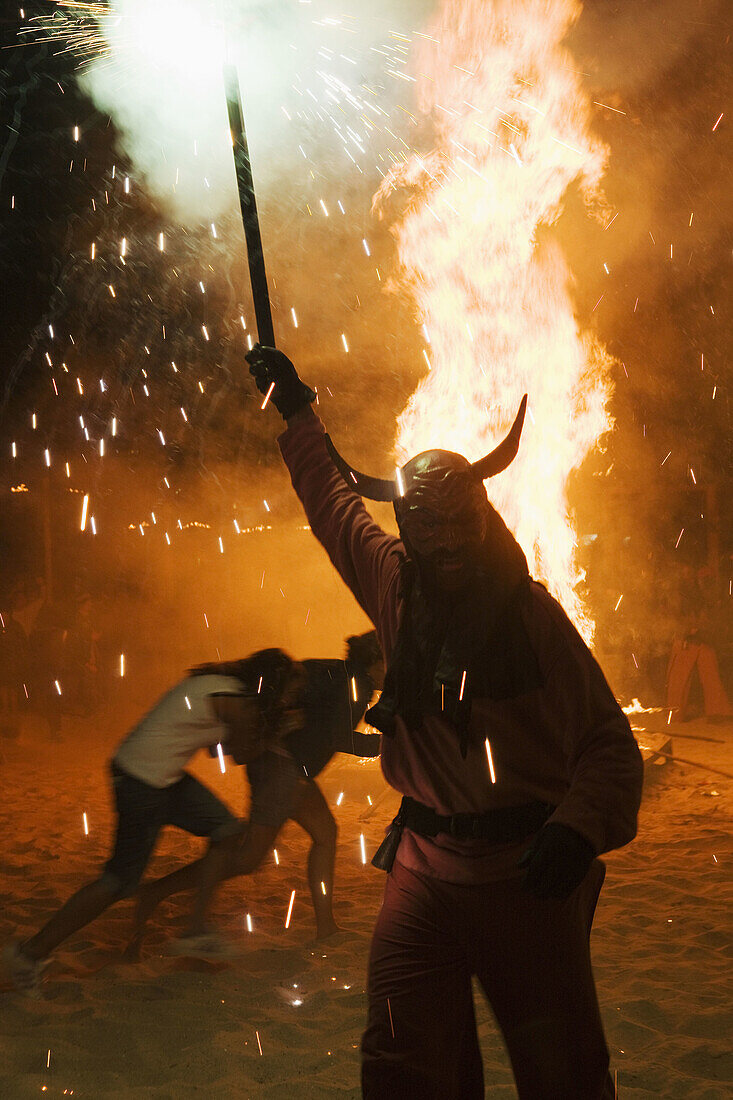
(285, 1019)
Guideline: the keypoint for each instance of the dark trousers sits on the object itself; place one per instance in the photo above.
(532, 960)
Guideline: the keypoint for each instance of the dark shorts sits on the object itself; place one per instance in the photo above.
(142, 811)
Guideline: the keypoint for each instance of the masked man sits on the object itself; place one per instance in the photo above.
(517, 767)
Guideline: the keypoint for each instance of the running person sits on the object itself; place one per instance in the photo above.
(283, 785)
(212, 705)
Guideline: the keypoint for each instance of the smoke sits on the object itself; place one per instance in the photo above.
(651, 285)
(157, 72)
(160, 78)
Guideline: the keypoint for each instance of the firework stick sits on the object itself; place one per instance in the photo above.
(248, 206)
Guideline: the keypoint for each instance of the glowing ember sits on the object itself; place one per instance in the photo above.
(511, 126)
(491, 761)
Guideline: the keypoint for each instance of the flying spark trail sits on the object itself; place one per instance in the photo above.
(490, 759)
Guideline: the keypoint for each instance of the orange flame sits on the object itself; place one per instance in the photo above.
(511, 125)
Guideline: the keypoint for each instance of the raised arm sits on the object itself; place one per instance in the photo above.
(367, 558)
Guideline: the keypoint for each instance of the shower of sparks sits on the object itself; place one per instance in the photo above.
(495, 131)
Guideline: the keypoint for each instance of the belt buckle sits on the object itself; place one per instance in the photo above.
(463, 826)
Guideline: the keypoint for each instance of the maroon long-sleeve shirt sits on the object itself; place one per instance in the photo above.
(567, 742)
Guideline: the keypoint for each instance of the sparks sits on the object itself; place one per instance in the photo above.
(490, 760)
(290, 909)
(362, 844)
(86, 824)
(268, 395)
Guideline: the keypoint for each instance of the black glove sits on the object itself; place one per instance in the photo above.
(268, 365)
(557, 861)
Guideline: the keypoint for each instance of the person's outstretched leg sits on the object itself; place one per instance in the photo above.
(81, 909)
(140, 812)
(420, 1039)
(194, 808)
(312, 814)
(532, 958)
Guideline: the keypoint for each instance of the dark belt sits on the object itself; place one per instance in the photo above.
(501, 826)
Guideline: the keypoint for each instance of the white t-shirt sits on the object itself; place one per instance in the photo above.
(182, 722)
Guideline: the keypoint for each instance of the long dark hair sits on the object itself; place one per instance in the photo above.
(363, 650)
(263, 675)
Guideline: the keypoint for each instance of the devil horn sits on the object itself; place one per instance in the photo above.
(373, 488)
(498, 459)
